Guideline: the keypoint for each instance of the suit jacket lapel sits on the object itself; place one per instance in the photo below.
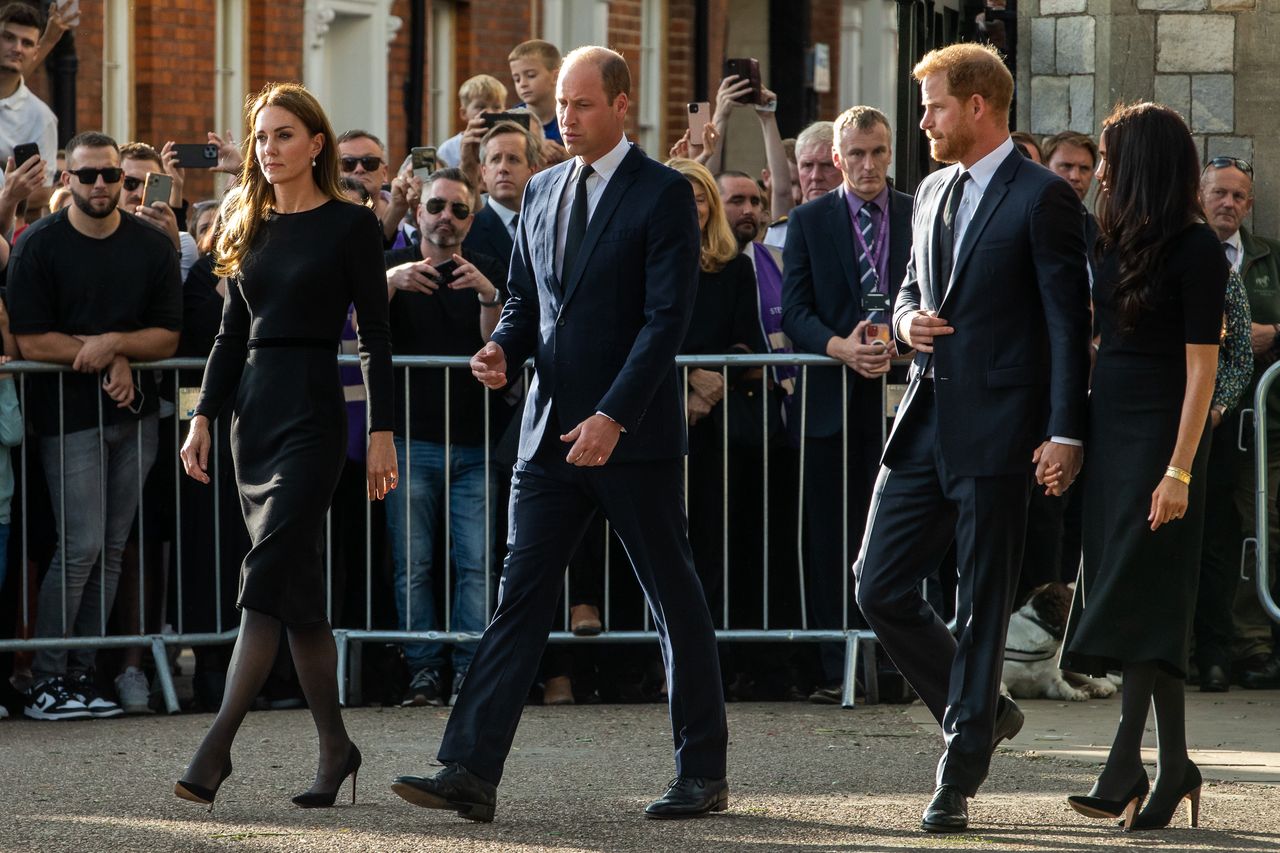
(547, 220)
(613, 192)
(840, 232)
(995, 193)
(938, 288)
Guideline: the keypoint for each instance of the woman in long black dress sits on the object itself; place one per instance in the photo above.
(296, 254)
(1159, 298)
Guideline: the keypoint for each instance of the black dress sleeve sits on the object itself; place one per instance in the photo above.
(365, 271)
(200, 311)
(746, 308)
(1202, 272)
(226, 361)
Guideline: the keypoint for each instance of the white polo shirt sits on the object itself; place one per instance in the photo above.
(25, 118)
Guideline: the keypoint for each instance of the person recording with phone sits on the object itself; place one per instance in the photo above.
(152, 191)
(845, 256)
(24, 118)
(444, 301)
(738, 91)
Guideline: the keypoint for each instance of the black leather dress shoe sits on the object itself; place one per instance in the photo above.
(1213, 679)
(454, 788)
(1265, 677)
(1009, 720)
(690, 796)
(947, 812)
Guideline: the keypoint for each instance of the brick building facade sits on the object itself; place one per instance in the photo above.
(173, 69)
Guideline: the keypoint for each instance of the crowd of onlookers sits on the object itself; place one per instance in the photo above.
(107, 538)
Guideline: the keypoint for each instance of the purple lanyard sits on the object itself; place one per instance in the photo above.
(882, 238)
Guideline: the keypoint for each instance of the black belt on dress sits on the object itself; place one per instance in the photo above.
(304, 343)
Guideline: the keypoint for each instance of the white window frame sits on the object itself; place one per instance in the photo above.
(117, 69)
(317, 17)
(441, 73)
(231, 72)
(572, 23)
(653, 16)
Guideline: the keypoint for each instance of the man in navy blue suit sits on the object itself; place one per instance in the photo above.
(602, 284)
(509, 156)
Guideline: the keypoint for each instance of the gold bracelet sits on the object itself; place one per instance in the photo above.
(1182, 476)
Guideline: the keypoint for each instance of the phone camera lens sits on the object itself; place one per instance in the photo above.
(693, 108)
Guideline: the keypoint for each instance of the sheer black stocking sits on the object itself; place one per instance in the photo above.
(1171, 741)
(1124, 761)
(251, 661)
(315, 657)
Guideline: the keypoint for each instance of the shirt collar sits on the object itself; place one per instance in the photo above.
(505, 213)
(984, 170)
(856, 201)
(19, 96)
(1235, 241)
(609, 163)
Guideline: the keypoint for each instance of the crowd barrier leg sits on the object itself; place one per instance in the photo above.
(340, 641)
(160, 653)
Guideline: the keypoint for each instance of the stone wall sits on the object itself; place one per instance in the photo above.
(1212, 60)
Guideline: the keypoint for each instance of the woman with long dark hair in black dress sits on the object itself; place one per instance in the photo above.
(1159, 300)
(296, 253)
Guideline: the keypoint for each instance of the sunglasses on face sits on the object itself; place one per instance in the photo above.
(89, 175)
(131, 184)
(457, 208)
(1224, 162)
(369, 163)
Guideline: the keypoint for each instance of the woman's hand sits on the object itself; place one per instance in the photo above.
(195, 450)
(380, 465)
(1168, 502)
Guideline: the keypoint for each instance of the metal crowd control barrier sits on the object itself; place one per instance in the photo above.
(1262, 528)
(859, 643)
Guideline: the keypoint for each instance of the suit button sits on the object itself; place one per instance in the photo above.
(560, 322)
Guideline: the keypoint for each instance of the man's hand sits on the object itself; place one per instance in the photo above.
(923, 327)
(118, 382)
(160, 216)
(21, 182)
(552, 153)
(229, 159)
(96, 352)
(1057, 465)
(697, 406)
(708, 384)
(593, 441)
(415, 277)
(169, 155)
(731, 88)
(467, 277)
(1262, 336)
(867, 360)
(489, 366)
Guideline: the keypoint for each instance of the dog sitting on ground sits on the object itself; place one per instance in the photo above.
(1031, 651)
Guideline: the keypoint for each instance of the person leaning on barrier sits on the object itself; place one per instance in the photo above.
(859, 233)
(435, 315)
(58, 276)
(1233, 637)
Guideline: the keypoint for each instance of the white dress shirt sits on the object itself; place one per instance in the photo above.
(980, 175)
(506, 214)
(25, 118)
(596, 182)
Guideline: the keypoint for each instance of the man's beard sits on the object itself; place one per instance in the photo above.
(443, 239)
(745, 232)
(86, 206)
(951, 147)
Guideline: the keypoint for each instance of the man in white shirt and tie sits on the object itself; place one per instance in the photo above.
(509, 157)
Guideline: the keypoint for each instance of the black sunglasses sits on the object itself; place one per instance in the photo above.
(1224, 162)
(457, 208)
(369, 163)
(131, 183)
(89, 175)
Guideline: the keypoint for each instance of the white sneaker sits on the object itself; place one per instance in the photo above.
(134, 691)
(4, 712)
(51, 700)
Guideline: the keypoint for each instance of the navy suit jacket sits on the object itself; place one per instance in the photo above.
(606, 339)
(821, 292)
(489, 236)
(1016, 370)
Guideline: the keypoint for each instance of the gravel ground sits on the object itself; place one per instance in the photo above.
(801, 778)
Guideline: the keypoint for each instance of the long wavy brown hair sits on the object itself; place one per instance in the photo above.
(1149, 193)
(247, 205)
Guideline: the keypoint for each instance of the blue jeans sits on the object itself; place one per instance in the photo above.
(413, 513)
(4, 550)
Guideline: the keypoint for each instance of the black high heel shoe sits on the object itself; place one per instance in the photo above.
(1127, 806)
(1158, 816)
(199, 793)
(324, 799)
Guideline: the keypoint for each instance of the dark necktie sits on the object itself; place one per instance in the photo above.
(948, 242)
(515, 226)
(867, 227)
(577, 225)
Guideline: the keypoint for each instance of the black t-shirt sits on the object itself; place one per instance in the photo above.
(445, 323)
(63, 281)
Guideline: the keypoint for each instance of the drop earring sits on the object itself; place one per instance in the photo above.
(313, 162)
